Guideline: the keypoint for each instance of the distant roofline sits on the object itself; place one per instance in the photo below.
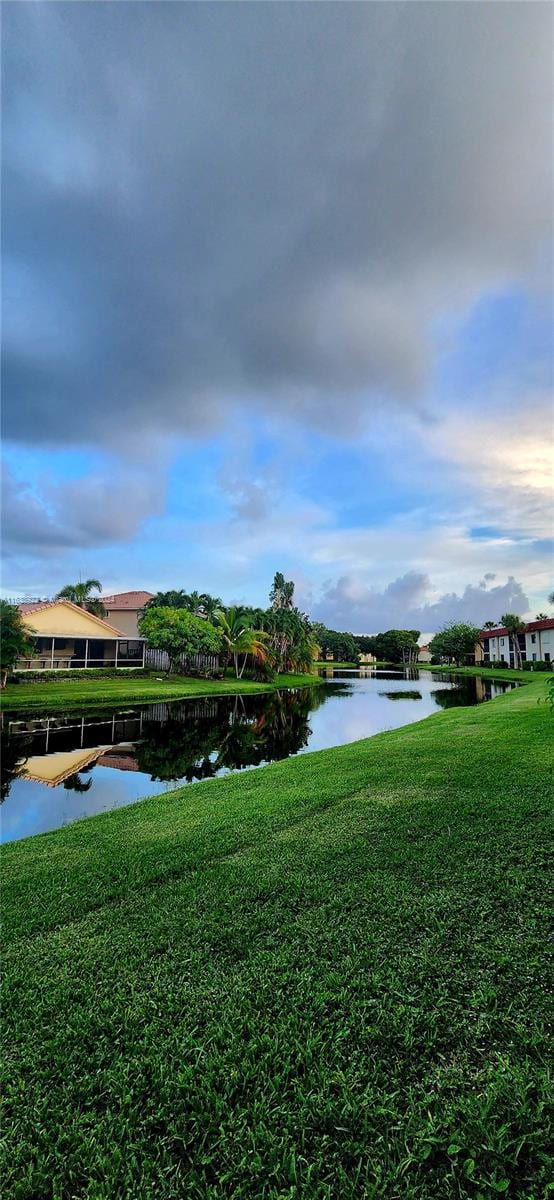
(124, 600)
(529, 627)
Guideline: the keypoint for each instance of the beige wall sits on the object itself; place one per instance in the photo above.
(66, 621)
(125, 619)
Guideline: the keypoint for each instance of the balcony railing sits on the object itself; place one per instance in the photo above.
(60, 662)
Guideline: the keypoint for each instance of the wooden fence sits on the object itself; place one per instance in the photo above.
(189, 664)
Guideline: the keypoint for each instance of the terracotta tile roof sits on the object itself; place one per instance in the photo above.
(35, 605)
(127, 600)
(530, 627)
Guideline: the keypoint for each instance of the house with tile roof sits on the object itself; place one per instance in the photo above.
(65, 635)
(124, 609)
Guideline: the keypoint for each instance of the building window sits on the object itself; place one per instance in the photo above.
(534, 658)
(501, 641)
(547, 656)
(533, 638)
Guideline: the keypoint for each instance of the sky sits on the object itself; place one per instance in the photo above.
(277, 296)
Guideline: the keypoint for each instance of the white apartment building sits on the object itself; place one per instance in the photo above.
(536, 643)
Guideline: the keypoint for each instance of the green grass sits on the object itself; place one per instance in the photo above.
(83, 692)
(356, 665)
(321, 980)
(508, 673)
(323, 663)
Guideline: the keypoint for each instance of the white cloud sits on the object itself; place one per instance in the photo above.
(407, 603)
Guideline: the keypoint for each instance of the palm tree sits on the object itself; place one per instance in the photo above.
(79, 593)
(490, 625)
(210, 604)
(282, 592)
(192, 602)
(541, 617)
(240, 639)
(171, 599)
(201, 603)
(514, 624)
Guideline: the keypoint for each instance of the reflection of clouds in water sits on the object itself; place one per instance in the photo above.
(345, 710)
(366, 712)
(34, 808)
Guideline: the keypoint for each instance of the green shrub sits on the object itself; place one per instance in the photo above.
(76, 674)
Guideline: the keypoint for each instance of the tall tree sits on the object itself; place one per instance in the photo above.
(282, 592)
(343, 646)
(15, 640)
(396, 645)
(240, 641)
(490, 625)
(456, 640)
(80, 594)
(514, 624)
(199, 603)
(210, 604)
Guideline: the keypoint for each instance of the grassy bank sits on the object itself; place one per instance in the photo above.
(507, 673)
(82, 692)
(358, 665)
(322, 979)
(336, 664)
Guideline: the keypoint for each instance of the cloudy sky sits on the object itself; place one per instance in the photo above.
(276, 297)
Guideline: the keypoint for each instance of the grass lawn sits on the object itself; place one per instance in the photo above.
(356, 665)
(322, 663)
(508, 673)
(321, 980)
(82, 692)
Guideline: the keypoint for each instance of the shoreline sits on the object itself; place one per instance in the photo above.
(108, 691)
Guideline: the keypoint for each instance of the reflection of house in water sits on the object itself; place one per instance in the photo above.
(53, 769)
(121, 758)
(191, 739)
(58, 747)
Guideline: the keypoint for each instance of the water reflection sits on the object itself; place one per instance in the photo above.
(57, 767)
(402, 695)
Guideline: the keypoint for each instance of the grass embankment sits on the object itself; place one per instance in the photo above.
(321, 663)
(356, 665)
(508, 673)
(318, 980)
(82, 692)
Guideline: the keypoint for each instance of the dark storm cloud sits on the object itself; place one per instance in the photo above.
(404, 604)
(217, 202)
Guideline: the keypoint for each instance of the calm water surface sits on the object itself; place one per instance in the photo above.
(60, 766)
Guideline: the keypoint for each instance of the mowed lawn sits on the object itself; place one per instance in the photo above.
(129, 689)
(323, 979)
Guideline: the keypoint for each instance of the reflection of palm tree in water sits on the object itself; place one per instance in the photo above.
(13, 757)
(74, 783)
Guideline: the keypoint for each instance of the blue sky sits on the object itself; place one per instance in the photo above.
(277, 297)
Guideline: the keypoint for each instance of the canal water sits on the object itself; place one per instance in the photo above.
(59, 766)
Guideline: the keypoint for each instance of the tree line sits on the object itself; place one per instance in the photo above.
(258, 642)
